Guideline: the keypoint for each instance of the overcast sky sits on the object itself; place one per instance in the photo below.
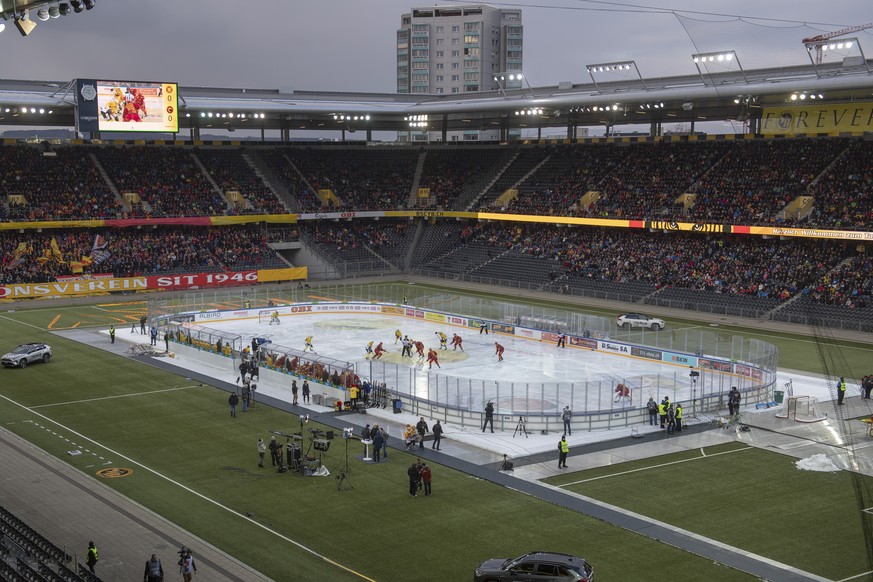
(348, 45)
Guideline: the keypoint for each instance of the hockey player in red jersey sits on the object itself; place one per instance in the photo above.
(498, 351)
(433, 358)
(377, 353)
(457, 342)
(419, 349)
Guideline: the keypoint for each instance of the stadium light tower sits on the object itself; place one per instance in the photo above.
(841, 48)
(821, 42)
(511, 80)
(725, 60)
(620, 68)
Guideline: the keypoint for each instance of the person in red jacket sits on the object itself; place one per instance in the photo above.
(426, 478)
(499, 351)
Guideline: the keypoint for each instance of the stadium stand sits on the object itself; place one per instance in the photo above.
(59, 184)
(231, 172)
(169, 180)
(30, 257)
(27, 555)
(744, 182)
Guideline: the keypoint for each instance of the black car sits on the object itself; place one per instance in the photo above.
(536, 567)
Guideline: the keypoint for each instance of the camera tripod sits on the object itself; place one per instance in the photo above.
(693, 415)
(343, 475)
(520, 428)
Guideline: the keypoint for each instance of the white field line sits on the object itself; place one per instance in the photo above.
(193, 492)
(653, 467)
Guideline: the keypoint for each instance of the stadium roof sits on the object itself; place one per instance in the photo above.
(738, 95)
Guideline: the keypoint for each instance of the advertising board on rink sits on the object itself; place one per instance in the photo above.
(682, 359)
(716, 365)
(613, 347)
(647, 353)
(583, 342)
(435, 317)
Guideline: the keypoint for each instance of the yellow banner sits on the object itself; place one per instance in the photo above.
(67, 288)
(52, 224)
(800, 119)
(273, 218)
(290, 274)
(553, 219)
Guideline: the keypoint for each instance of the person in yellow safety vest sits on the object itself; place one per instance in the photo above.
(92, 558)
(353, 396)
(677, 414)
(397, 335)
(662, 412)
(563, 449)
(841, 390)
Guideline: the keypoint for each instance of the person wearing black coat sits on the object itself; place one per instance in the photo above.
(489, 416)
(437, 435)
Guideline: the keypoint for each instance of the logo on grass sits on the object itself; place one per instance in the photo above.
(114, 472)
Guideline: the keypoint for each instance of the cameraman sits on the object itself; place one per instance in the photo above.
(275, 452)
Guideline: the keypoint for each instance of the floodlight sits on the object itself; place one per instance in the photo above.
(42, 14)
(89, 4)
(24, 25)
(64, 8)
(77, 5)
(54, 12)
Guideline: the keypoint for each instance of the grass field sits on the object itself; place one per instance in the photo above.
(198, 468)
(745, 497)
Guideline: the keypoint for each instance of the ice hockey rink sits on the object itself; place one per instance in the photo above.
(587, 377)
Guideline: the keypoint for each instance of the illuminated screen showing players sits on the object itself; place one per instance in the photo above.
(137, 106)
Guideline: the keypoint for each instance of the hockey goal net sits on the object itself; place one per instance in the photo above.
(265, 317)
(800, 409)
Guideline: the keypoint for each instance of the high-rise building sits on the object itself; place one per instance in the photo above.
(443, 50)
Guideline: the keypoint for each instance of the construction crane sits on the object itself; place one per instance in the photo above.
(819, 42)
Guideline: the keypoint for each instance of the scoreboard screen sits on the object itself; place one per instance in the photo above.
(129, 106)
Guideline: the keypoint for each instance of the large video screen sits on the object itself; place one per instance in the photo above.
(130, 106)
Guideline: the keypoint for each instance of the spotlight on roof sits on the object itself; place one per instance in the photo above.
(89, 4)
(24, 24)
(54, 11)
(64, 8)
(42, 14)
(77, 5)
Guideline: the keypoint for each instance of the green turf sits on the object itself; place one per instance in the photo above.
(197, 467)
(746, 497)
(180, 430)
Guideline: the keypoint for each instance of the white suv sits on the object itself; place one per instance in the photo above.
(629, 320)
(26, 354)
